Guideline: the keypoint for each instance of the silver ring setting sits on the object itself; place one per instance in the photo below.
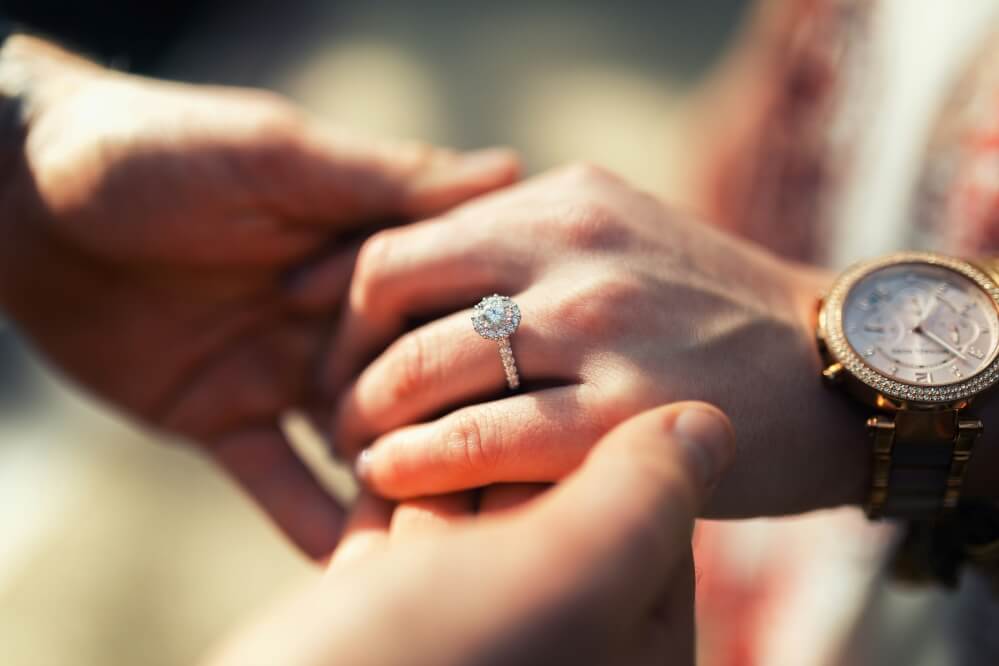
(496, 318)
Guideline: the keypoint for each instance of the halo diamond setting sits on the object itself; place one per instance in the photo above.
(496, 318)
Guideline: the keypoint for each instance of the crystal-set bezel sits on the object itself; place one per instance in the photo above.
(496, 330)
(831, 324)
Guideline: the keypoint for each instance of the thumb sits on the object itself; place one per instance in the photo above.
(626, 515)
(346, 178)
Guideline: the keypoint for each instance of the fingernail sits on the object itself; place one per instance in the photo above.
(486, 161)
(707, 439)
(362, 466)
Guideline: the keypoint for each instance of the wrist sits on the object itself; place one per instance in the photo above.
(813, 440)
(839, 424)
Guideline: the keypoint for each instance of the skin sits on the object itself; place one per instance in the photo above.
(630, 508)
(151, 231)
(626, 304)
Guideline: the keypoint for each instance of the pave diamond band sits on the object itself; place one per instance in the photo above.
(509, 365)
(496, 318)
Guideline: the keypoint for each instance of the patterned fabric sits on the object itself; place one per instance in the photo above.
(811, 591)
(959, 194)
(778, 156)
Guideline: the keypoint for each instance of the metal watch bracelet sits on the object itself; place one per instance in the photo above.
(919, 462)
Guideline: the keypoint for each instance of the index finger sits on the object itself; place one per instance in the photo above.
(265, 465)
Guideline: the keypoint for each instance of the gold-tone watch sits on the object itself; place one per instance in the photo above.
(915, 335)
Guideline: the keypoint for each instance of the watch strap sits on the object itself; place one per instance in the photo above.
(941, 550)
(920, 459)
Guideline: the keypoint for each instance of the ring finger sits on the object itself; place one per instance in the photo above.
(441, 365)
(535, 437)
(413, 271)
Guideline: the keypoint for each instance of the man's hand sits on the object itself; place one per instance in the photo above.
(597, 570)
(148, 232)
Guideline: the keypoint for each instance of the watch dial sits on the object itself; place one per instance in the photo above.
(921, 324)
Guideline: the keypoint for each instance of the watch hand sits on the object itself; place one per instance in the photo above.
(940, 341)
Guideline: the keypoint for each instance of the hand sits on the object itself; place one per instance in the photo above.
(625, 304)
(597, 570)
(148, 233)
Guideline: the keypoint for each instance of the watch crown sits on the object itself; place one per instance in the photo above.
(833, 374)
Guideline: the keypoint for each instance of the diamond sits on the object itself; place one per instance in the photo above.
(496, 317)
(495, 314)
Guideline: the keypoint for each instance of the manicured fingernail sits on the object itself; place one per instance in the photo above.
(707, 439)
(362, 467)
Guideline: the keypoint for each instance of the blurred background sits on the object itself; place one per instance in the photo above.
(117, 548)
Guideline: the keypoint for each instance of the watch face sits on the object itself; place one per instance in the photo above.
(922, 324)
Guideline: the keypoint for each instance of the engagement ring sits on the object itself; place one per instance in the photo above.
(496, 318)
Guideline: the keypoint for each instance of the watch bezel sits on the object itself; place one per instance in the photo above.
(834, 336)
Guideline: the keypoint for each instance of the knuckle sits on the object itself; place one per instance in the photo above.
(591, 225)
(623, 395)
(269, 102)
(414, 367)
(269, 136)
(370, 275)
(416, 155)
(602, 305)
(587, 173)
(277, 125)
(469, 442)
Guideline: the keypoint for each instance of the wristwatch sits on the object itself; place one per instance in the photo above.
(915, 336)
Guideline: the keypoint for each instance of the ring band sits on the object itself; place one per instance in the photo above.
(496, 318)
(509, 363)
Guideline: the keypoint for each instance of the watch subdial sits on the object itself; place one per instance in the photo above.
(913, 302)
(958, 333)
(883, 330)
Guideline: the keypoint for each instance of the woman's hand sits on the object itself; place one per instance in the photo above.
(597, 570)
(625, 305)
(148, 231)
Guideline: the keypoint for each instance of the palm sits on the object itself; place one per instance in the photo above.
(167, 219)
